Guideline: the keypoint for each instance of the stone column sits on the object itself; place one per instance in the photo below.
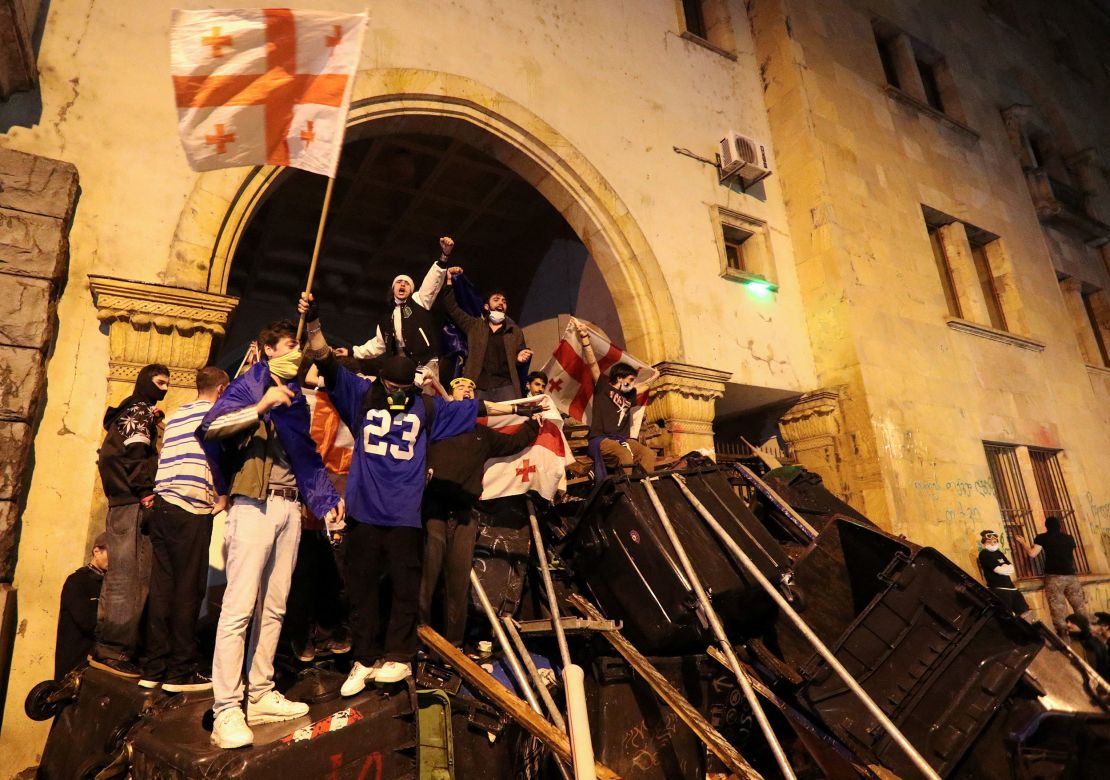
(965, 278)
(156, 323)
(685, 398)
(812, 428)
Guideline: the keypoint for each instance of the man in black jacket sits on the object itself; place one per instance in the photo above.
(495, 345)
(128, 463)
(77, 615)
(450, 528)
(1061, 585)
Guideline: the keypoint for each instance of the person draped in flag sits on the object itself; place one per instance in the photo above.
(450, 526)
(614, 402)
(257, 440)
(536, 384)
(392, 424)
(408, 328)
(495, 344)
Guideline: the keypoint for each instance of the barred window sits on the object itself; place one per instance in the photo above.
(1015, 507)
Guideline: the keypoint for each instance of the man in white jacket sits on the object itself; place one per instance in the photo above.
(408, 327)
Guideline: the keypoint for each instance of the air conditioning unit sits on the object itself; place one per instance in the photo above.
(743, 158)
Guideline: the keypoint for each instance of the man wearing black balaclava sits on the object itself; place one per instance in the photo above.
(128, 462)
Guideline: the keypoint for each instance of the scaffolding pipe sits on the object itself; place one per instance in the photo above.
(719, 633)
(894, 732)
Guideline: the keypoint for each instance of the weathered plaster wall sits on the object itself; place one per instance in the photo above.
(615, 83)
(857, 165)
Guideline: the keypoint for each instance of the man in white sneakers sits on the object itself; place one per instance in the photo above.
(265, 453)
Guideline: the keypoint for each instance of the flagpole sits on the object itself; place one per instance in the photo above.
(316, 249)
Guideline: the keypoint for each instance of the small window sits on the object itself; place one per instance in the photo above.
(734, 246)
(944, 271)
(916, 70)
(931, 85)
(694, 17)
(1093, 302)
(886, 56)
(986, 281)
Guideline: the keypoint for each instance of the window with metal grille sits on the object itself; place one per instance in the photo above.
(1013, 505)
(1055, 499)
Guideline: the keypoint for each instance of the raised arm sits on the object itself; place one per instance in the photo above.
(437, 274)
(1031, 550)
(454, 311)
(587, 350)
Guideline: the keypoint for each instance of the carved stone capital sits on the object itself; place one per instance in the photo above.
(156, 323)
(816, 415)
(685, 398)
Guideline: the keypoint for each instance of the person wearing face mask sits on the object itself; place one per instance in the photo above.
(407, 327)
(393, 425)
(614, 403)
(127, 462)
(495, 345)
(998, 572)
(256, 438)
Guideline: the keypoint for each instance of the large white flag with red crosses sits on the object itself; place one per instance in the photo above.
(542, 467)
(570, 382)
(264, 86)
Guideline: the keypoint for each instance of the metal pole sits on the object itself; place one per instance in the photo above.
(581, 742)
(813, 639)
(777, 500)
(534, 673)
(503, 641)
(719, 633)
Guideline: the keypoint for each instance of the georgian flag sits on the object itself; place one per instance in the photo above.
(542, 467)
(264, 86)
(570, 383)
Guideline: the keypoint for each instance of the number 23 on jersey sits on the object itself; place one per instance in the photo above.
(378, 425)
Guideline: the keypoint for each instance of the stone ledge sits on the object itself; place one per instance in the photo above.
(993, 334)
(686, 35)
(165, 305)
(1098, 370)
(924, 108)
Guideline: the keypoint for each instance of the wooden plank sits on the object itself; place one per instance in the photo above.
(513, 706)
(712, 738)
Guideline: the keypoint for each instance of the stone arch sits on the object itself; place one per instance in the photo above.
(404, 100)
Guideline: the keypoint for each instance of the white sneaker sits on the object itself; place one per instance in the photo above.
(274, 708)
(230, 730)
(359, 676)
(393, 671)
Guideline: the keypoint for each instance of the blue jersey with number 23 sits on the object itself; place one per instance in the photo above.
(386, 481)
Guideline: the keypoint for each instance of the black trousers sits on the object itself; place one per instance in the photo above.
(449, 536)
(179, 575)
(315, 593)
(372, 550)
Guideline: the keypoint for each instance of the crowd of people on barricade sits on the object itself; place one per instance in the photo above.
(408, 509)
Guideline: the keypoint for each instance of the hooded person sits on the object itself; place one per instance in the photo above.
(128, 462)
(394, 425)
(998, 573)
(407, 326)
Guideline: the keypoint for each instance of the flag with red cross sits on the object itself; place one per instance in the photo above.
(540, 467)
(264, 86)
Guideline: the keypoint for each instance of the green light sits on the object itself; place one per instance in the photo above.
(759, 289)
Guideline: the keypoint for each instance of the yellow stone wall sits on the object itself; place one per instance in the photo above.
(592, 96)
(920, 394)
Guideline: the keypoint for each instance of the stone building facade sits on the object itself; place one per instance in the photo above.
(613, 112)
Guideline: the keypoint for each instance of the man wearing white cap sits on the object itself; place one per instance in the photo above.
(408, 328)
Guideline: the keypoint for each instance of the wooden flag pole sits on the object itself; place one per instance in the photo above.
(316, 249)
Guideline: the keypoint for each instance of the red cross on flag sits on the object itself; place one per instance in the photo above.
(541, 467)
(571, 384)
(264, 86)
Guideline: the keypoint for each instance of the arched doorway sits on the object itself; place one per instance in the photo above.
(427, 103)
(394, 196)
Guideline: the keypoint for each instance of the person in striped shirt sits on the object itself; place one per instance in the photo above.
(185, 499)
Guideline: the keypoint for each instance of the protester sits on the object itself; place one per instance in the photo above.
(998, 571)
(185, 500)
(394, 425)
(611, 424)
(536, 384)
(495, 345)
(269, 462)
(1092, 650)
(408, 328)
(77, 612)
(1100, 630)
(1061, 586)
(128, 462)
(450, 527)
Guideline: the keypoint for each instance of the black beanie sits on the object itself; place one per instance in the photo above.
(399, 370)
